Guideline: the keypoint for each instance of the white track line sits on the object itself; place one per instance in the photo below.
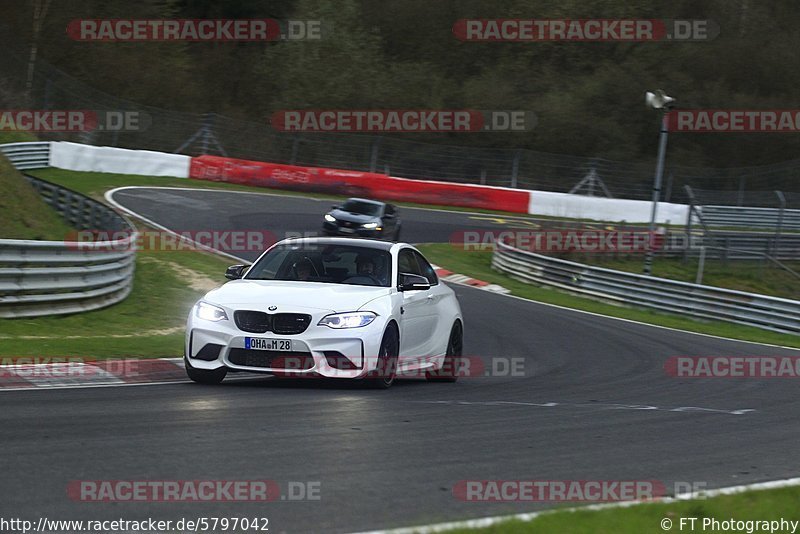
(525, 517)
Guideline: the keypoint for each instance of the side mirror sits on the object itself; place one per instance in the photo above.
(235, 272)
(413, 282)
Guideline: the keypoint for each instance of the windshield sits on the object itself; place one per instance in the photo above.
(361, 207)
(336, 264)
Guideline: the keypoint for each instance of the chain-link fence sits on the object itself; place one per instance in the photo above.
(193, 134)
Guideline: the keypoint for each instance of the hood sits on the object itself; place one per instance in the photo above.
(354, 217)
(294, 296)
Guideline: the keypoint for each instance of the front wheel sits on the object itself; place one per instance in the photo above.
(383, 376)
(448, 372)
(205, 376)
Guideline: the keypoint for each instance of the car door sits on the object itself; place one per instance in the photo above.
(415, 312)
(433, 329)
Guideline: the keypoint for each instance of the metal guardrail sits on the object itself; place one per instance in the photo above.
(699, 301)
(732, 245)
(59, 277)
(29, 155)
(744, 217)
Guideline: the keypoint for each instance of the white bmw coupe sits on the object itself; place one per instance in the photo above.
(328, 307)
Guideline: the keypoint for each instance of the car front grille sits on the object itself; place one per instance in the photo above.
(290, 323)
(298, 361)
(257, 322)
(252, 321)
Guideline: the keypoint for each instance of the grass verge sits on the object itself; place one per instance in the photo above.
(477, 264)
(23, 213)
(750, 276)
(760, 505)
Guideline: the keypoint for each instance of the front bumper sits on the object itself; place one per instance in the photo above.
(329, 228)
(319, 351)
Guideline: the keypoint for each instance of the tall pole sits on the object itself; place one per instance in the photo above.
(662, 149)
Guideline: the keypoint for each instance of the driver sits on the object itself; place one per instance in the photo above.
(365, 266)
(302, 269)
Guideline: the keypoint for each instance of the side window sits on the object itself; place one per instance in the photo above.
(406, 263)
(389, 209)
(425, 269)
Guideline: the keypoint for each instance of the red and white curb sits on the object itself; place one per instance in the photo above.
(455, 278)
(33, 373)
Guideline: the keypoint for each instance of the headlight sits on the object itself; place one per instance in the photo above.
(209, 312)
(370, 226)
(347, 320)
(330, 218)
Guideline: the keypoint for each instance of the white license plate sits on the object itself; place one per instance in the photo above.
(260, 343)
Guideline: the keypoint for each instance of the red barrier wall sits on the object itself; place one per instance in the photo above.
(355, 183)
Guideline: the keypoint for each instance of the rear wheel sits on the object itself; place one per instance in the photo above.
(448, 372)
(383, 377)
(205, 376)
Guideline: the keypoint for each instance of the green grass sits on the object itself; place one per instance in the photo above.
(761, 505)
(23, 213)
(751, 276)
(477, 264)
(160, 301)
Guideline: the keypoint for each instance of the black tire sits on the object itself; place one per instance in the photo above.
(397, 234)
(383, 377)
(203, 376)
(448, 372)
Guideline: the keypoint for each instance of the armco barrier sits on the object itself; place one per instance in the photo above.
(59, 277)
(704, 302)
(27, 155)
(355, 183)
(744, 217)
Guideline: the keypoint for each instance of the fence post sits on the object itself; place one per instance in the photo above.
(515, 169)
(295, 148)
(668, 192)
(701, 264)
(779, 227)
(688, 223)
(740, 198)
(483, 176)
(373, 158)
